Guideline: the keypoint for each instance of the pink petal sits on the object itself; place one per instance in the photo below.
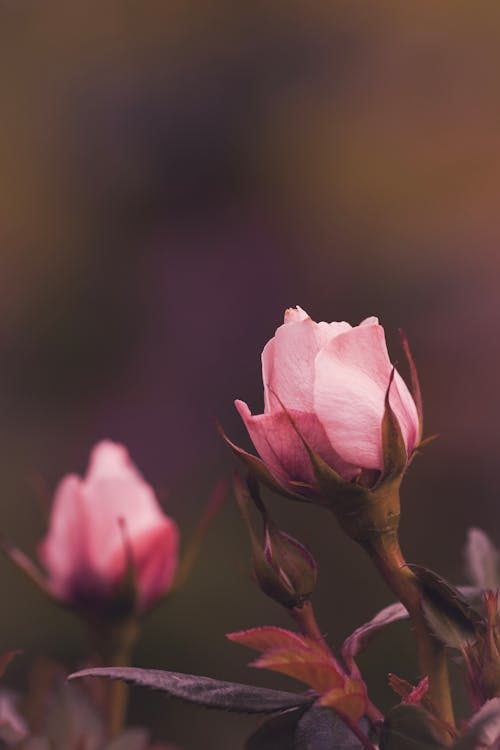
(295, 315)
(155, 559)
(282, 450)
(84, 551)
(268, 354)
(351, 379)
(288, 360)
(292, 377)
(64, 551)
(114, 489)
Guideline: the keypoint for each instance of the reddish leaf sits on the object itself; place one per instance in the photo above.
(349, 701)
(271, 637)
(312, 668)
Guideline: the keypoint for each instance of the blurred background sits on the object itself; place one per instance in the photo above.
(173, 176)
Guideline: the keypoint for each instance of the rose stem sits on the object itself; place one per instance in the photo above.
(386, 554)
(114, 645)
(358, 733)
(306, 620)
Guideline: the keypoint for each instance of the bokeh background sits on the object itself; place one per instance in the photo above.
(173, 175)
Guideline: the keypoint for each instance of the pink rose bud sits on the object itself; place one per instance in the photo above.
(103, 528)
(325, 385)
(284, 568)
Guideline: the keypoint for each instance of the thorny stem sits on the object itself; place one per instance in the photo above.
(386, 554)
(306, 620)
(373, 521)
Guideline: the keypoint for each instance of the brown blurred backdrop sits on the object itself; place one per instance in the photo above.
(173, 175)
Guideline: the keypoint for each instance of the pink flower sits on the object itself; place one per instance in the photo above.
(100, 524)
(331, 379)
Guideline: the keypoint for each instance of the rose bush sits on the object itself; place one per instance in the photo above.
(326, 383)
(102, 523)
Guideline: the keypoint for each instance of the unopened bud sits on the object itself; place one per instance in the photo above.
(284, 568)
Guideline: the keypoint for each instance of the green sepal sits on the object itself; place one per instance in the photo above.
(394, 453)
(334, 491)
(259, 470)
(123, 601)
(409, 728)
(415, 389)
(27, 566)
(330, 485)
(451, 618)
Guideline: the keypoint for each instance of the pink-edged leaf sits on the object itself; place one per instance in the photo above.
(313, 669)
(361, 637)
(411, 695)
(482, 560)
(483, 730)
(349, 701)
(270, 637)
(204, 691)
(416, 695)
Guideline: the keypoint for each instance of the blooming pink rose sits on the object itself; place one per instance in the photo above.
(102, 521)
(331, 379)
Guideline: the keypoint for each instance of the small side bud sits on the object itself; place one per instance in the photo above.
(284, 568)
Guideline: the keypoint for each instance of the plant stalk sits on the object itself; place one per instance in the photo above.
(386, 554)
(114, 645)
(306, 620)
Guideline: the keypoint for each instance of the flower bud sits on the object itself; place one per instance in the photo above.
(339, 425)
(284, 568)
(109, 546)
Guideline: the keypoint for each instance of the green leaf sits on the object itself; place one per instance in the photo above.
(335, 491)
(204, 691)
(409, 728)
(453, 621)
(259, 470)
